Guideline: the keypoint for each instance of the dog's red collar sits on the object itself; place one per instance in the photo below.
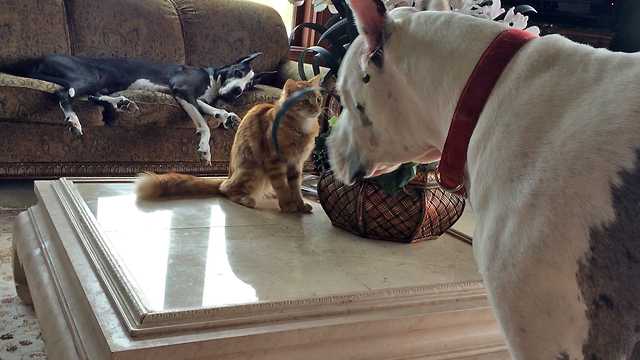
(450, 172)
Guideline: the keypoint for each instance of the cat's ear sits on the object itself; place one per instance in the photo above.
(315, 81)
(290, 87)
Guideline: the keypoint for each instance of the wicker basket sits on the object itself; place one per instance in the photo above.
(419, 211)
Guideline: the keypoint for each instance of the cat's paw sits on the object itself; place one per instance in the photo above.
(270, 195)
(288, 207)
(304, 207)
(247, 201)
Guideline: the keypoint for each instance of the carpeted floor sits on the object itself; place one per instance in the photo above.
(20, 336)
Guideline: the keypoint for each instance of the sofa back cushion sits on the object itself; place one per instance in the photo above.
(143, 29)
(195, 32)
(217, 32)
(31, 29)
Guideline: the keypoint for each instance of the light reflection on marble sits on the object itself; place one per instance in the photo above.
(208, 252)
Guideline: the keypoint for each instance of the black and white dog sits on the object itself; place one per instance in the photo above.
(193, 87)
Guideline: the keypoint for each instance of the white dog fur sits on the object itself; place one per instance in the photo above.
(552, 171)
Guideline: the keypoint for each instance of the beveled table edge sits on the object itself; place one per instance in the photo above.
(444, 321)
(141, 321)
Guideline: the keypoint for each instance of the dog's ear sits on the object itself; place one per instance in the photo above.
(375, 24)
(438, 5)
(266, 77)
(248, 59)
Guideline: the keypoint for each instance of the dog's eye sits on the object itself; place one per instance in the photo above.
(237, 74)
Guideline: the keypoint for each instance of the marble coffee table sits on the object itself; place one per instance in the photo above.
(115, 278)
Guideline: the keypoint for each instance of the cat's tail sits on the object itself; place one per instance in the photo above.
(149, 185)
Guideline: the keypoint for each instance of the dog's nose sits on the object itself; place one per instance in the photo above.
(235, 92)
(359, 174)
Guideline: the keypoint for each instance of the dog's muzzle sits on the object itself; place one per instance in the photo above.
(359, 174)
(349, 171)
(233, 93)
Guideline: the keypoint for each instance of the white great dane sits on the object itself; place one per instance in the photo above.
(552, 167)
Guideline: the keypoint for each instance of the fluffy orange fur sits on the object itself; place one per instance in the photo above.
(255, 169)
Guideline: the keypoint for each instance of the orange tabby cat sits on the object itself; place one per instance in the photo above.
(254, 167)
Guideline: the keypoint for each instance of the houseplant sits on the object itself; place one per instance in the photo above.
(405, 205)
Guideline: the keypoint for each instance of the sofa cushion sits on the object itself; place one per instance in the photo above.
(31, 29)
(218, 32)
(47, 143)
(148, 29)
(30, 100)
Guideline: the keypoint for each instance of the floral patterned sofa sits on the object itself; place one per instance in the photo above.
(35, 143)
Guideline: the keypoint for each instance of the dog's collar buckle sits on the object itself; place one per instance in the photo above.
(454, 190)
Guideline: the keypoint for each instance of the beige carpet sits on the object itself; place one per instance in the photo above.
(20, 337)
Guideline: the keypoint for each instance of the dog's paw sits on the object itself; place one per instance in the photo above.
(73, 124)
(126, 104)
(204, 155)
(215, 123)
(231, 122)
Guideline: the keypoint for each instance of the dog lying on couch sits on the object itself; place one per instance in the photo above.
(194, 88)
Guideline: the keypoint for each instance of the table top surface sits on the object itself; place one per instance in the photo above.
(193, 253)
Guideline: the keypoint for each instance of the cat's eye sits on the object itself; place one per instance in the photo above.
(306, 102)
(319, 99)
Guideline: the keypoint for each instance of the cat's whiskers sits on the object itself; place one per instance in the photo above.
(306, 123)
